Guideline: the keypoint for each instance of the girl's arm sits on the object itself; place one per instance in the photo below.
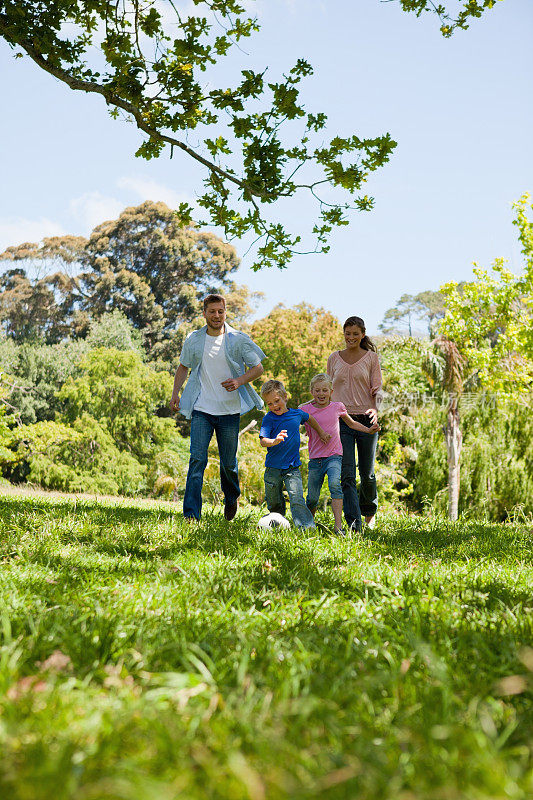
(322, 435)
(357, 426)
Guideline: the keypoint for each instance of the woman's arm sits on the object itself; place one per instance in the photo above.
(358, 426)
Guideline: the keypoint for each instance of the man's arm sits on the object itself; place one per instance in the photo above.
(232, 384)
(179, 380)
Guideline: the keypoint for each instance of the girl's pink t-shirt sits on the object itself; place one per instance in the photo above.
(328, 419)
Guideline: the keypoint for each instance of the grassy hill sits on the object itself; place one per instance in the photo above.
(143, 659)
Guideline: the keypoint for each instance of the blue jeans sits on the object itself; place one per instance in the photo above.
(292, 478)
(318, 469)
(367, 501)
(226, 428)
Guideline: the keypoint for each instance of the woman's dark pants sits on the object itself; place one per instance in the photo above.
(366, 503)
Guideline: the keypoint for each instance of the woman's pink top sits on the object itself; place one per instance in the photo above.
(355, 385)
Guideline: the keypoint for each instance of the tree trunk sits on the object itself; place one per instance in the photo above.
(454, 440)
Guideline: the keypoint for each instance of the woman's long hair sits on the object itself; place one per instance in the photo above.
(366, 342)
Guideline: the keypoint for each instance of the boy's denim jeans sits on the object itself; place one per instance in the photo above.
(226, 428)
(292, 479)
(318, 469)
(367, 501)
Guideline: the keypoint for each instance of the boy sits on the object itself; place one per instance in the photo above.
(280, 434)
(327, 459)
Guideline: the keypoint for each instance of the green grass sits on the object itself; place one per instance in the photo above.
(221, 661)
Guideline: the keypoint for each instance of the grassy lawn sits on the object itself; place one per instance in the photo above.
(220, 661)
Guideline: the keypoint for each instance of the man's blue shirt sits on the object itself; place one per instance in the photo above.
(286, 454)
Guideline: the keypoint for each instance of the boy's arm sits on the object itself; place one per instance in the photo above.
(357, 426)
(322, 435)
(265, 442)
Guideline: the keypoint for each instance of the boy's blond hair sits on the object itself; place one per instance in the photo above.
(273, 386)
(322, 377)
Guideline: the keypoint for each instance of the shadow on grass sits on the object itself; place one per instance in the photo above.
(15, 508)
(452, 541)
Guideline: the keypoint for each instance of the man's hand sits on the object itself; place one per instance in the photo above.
(373, 414)
(175, 402)
(231, 385)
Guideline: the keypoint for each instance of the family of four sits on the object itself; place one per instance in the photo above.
(340, 419)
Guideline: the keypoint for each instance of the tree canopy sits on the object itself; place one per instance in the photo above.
(427, 306)
(298, 342)
(146, 265)
(490, 318)
(157, 64)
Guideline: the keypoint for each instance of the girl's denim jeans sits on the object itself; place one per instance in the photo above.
(318, 469)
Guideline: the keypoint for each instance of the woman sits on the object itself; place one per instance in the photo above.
(356, 377)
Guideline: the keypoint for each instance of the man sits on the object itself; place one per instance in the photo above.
(222, 361)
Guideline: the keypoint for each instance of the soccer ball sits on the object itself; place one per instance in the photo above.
(273, 520)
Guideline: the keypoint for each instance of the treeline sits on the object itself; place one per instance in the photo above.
(145, 264)
(92, 330)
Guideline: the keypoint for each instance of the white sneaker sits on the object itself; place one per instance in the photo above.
(370, 523)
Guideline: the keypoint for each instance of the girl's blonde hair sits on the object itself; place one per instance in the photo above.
(322, 377)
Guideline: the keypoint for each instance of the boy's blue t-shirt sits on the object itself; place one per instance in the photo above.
(286, 454)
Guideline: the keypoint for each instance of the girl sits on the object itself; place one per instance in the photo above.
(326, 459)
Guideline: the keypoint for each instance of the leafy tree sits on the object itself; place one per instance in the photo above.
(297, 342)
(81, 457)
(38, 371)
(113, 330)
(37, 310)
(149, 61)
(404, 313)
(491, 318)
(496, 460)
(124, 395)
(107, 429)
(468, 10)
(145, 265)
(445, 372)
(427, 306)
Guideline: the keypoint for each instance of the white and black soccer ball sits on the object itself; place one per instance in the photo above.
(273, 520)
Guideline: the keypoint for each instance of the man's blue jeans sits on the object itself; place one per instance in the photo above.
(226, 428)
(318, 469)
(366, 443)
(292, 479)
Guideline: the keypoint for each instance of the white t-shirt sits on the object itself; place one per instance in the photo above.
(213, 398)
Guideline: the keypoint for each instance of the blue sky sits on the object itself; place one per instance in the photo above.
(460, 110)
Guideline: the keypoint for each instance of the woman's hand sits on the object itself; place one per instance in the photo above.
(373, 414)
